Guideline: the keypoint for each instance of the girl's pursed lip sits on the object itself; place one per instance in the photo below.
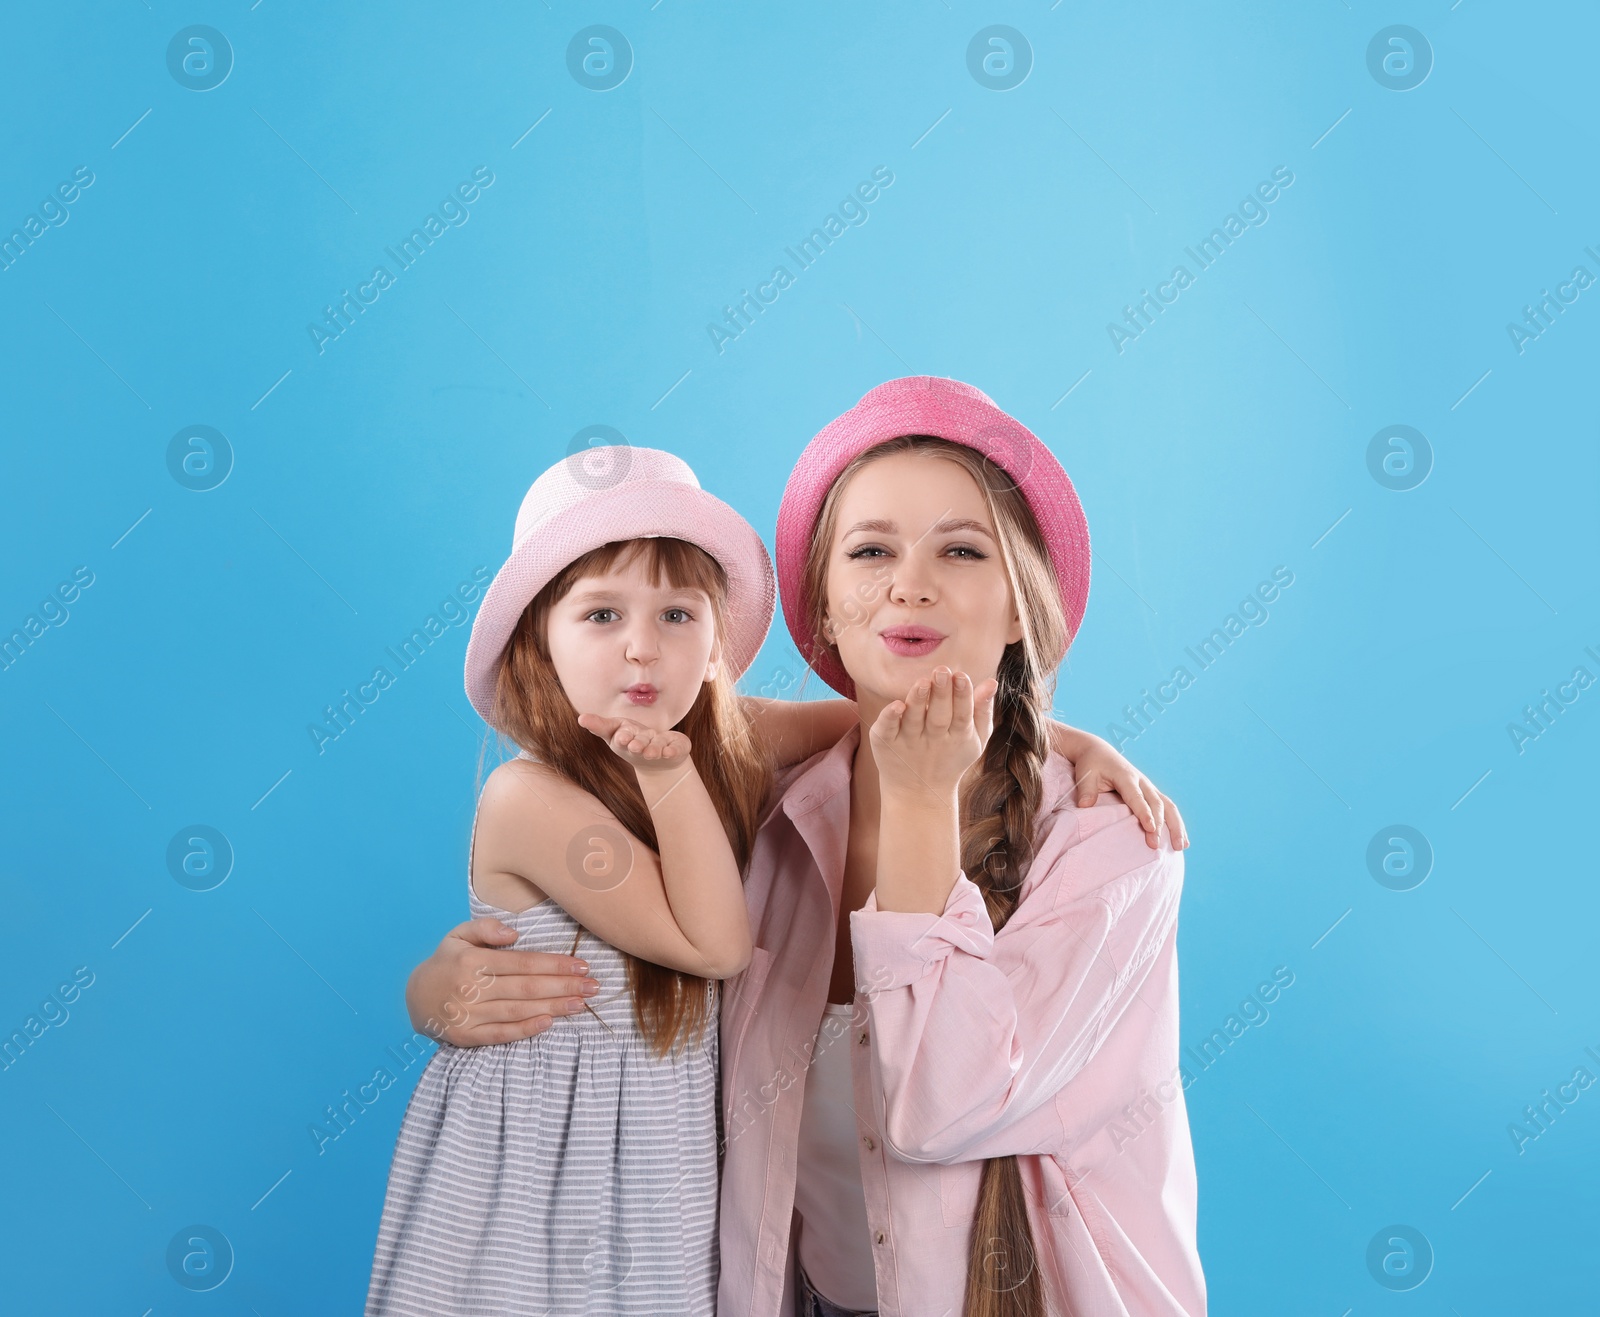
(641, 694)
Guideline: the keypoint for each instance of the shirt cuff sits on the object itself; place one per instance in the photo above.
(895, 947)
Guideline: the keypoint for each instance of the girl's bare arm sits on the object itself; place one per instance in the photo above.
(794, 730)
(683, 908)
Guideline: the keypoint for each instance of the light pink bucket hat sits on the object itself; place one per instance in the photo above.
(618, 492)
(946, 409)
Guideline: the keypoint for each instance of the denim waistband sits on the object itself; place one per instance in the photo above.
(812, 1304)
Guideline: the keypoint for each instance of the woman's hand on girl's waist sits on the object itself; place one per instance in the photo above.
(474, 990)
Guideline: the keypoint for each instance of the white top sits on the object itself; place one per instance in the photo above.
(835, 1240)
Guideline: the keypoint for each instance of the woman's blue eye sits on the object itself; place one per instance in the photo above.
(967, 548)
(863, 550)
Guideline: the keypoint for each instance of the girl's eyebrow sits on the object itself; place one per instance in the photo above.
(598, 594)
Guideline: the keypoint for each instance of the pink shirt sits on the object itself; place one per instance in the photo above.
(1055, 1040)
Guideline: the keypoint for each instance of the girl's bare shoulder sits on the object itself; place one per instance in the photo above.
(529, 816)
(533, 798)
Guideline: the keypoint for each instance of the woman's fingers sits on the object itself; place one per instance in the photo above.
(915, 717)
(481, 1035)
(514, 1010)
(941, 700)
(499, 973)
(510, 1033)
(887, 726)
(961, 706)
(474, 976)
(540, 989)
(486, 931)
(983, 707)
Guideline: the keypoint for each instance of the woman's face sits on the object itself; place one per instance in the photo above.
(915, 578)
(625, 648)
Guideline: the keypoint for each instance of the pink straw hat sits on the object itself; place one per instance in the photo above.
(618, 492)
(946, 409)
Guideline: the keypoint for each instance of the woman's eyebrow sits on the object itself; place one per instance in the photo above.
(877, 527)
(962, 523)
(948, 525)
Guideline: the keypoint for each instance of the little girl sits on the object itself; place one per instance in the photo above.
(629, 605)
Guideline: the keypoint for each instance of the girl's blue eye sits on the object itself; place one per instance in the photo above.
(597, 612)
(682, 614)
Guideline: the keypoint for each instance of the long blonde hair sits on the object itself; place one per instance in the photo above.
(532, 709)
(997, 810)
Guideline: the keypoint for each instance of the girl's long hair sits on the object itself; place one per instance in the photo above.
(531, 708)
(997, 812)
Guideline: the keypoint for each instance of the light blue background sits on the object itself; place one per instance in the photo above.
(373, 477)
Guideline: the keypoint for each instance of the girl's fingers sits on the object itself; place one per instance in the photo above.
(1158, 810)
(603, 727)
(1088, 790)
(1134, 799)
(1180, 834)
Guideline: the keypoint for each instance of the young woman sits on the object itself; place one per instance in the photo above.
(964, 968)
(963, 989)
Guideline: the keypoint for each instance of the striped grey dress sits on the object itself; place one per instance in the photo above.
(572, 1174)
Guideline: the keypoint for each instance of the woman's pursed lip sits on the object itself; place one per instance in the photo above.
(908, 646)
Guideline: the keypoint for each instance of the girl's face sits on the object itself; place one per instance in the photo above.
(915, 577)
(625, 648)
